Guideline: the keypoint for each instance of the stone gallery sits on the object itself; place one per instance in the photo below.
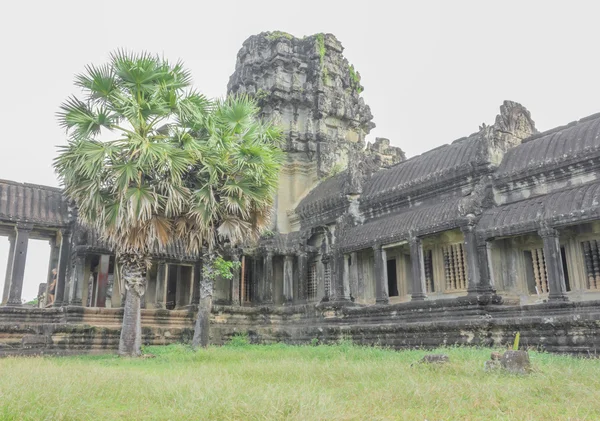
(489, 235)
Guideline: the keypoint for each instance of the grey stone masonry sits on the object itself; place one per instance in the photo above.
(288, 279)
(161, 275)
(381, 287)
(235, 280)
(268, 279)
(63, 265)
(18, 264)
(418, 269)
(554, 266)
(76, 280)
(9, 264)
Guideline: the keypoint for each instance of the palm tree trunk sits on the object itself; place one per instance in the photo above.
(202, 327)
(132, 272)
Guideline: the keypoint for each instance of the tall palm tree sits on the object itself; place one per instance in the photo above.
(175, 167)
(233, 185)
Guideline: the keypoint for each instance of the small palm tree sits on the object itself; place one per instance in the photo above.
(177, 167)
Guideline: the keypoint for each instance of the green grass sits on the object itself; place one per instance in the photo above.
(252, 382)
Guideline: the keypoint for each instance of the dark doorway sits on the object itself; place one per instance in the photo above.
(392, 278)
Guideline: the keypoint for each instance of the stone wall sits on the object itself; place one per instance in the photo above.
(555, 327)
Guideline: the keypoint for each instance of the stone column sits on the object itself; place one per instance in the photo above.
(196, 282)
(302, 275)
(18, 264)
(235, 280)
(557, 289)
(476, 256)
(418, 269)
(472, 260)
(288, 280)
(52, 263)
(485, 267)
(76, 280)
(9, 263)
(353, 275)
(63, 263)
(258, 282)
(161, 277)
(341, 277)
(268, 276)
(381, 287)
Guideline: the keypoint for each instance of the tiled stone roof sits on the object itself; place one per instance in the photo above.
(574, 205)
(328, 194)
(554, 148)
(30, 203)
(392, 228)
(440, 164)
(174, 251)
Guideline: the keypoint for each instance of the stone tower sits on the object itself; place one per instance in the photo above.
(308, 88)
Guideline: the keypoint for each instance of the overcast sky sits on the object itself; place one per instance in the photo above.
(433, 71)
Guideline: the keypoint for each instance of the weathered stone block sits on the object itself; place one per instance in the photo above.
(34, 341)
(435, 358)
(516, 362)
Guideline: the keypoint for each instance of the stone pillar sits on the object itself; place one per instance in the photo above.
(196, 282)
(52, 263)
(418, 269)
(258, 282)
(485, 267)
(268, 279)
(381, 287)
(341, 277)
(476, 256)
(9, 263)
(103, 280)
(557, 289)
(63, 263)
(161, 278)
(353, 276)
(76, 280)
(302, 275)
(288, 280)
(18, 265)
(472, 260)
(235, 280)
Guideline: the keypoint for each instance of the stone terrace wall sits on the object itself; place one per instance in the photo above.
(562, 327)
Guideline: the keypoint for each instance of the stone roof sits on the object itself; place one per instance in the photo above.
(392, 228)
(88, 240)
(282, 243)
(551, 149)
(437, 165)
(574, 205)
(328, 194)
(446, 162)
(31, 203)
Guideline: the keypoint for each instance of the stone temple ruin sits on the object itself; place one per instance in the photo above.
(468, 243)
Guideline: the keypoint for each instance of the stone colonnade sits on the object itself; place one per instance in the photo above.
(60, 243)
(478, 263)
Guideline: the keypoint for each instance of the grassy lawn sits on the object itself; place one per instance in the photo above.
(341, 382)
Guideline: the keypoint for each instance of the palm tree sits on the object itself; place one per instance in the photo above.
(130, 188)
(177, 167)
(233, 185)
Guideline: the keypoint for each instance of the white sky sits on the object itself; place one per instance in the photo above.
(433, 71)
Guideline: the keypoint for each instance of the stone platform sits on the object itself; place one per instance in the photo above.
(567, 327)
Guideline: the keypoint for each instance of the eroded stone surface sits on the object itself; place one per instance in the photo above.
(516, 362)
(435, 359)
